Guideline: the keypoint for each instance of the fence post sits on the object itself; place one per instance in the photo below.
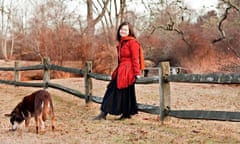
(164, 89)
(46, 73)
(16, 72)
(88, 81)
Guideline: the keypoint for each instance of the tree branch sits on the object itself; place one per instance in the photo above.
(220, 25)
(171, 27)
(222, 33)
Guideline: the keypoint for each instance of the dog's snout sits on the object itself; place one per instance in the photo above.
(14, 126)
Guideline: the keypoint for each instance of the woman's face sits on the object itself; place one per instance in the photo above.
(124, 31)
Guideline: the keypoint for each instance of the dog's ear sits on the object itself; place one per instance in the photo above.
(8, 115)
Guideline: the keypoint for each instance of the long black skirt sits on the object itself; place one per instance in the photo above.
(119, 101)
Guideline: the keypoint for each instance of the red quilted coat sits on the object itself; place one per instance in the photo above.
(128, 62)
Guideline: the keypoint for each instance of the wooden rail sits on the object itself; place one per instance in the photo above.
(86, 72)
(163, 79)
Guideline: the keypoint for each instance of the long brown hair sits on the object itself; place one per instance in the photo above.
(131, 32)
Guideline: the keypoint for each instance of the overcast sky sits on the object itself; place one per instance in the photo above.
(199, 4)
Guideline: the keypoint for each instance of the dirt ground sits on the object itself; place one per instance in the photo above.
(74, 124)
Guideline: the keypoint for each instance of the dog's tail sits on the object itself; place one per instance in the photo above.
(48, 109)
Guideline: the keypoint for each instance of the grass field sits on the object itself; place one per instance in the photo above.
(74, 123)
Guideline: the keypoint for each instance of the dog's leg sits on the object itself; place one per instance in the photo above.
(52, 115)
(52, 120)
(27, 121)
(45, 111)
(37, 123)
(41, 121)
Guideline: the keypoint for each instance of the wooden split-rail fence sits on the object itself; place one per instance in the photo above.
(163, 78)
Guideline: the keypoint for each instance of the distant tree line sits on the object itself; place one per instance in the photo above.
(85, 30)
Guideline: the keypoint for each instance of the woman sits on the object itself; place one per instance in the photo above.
(120, 98)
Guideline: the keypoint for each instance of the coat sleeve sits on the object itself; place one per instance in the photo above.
(135, 49)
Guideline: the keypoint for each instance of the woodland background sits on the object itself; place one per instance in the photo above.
(72, 30)
(168, 30)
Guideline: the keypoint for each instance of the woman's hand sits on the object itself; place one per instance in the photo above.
(138, 76)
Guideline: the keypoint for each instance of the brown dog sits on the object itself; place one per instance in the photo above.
(36, 105)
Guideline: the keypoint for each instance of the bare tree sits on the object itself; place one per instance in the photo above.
(51, 30)
(229, 5)
(6, 20)
(91, 23)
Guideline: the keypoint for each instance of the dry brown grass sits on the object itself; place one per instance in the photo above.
(74, 118)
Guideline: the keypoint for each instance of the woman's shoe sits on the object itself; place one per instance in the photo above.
(102, 115)
(124, 117)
